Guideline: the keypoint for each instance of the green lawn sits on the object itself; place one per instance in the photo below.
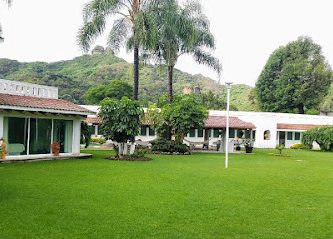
(259, 196)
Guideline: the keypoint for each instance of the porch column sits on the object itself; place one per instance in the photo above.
(1, 126)
(96, 129)
(76, 136)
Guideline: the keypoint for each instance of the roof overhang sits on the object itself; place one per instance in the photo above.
(52, 111)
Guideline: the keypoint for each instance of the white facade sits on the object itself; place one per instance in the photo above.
(269, 121)
(263, 121)
(29, 129)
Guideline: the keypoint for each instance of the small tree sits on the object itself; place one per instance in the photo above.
(121, 122)
(280, 147)
(184, 114)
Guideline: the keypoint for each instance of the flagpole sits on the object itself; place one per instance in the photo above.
(228, 85)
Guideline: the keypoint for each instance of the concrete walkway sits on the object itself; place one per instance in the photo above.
(34, 158)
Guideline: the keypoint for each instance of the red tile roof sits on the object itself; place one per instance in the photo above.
(7, 100)
(234, 122)
(298, 126)
(93, 120)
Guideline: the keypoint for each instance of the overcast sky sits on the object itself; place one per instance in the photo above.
(246, 32)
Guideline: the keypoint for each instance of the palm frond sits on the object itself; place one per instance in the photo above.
(207, 59)
(119, 32)
(90, 31)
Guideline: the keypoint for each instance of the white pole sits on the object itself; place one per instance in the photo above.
(227, 126)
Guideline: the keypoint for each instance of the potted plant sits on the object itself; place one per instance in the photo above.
(248, 143)
(2, 149)
(237, 145)
(55, 148)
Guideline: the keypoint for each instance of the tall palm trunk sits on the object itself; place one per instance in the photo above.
(136, 73)
(170, 79)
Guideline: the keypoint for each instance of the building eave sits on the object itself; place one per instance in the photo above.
(52, 111)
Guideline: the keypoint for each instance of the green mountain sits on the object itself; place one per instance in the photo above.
(74, 77)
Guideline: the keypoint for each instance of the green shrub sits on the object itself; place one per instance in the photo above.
(168, 146)
(102, 140)
(299, 146)
(141, 151)
(98, 140)
(322, 136)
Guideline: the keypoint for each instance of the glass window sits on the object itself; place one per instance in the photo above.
(290, 136)
(63, 134)
(297, 135)
(248, 134)
(267, 135)
(143, 131)
(16, 134)
(216, 133)
(192, 133)
(254, 134)
(240, 133)
(91, 129)
(151, 131)
(200, 133)
(231, 133)
(40, 136)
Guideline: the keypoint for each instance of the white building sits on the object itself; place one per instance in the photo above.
(32, 118)
(265, 128)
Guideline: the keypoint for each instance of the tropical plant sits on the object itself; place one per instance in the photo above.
(121, 122)
(295, 78)
(171, 30)
(95, 15)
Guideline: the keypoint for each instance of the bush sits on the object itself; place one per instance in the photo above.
(141, 151)
(322, 136)
(168, 146)
(102, 140)
(299, 146)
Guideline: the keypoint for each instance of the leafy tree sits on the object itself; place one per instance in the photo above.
(115, 90)
(95, 15)
(322, 136)
(171, 30)
(182, 115)
(295, 78)
(121, 122)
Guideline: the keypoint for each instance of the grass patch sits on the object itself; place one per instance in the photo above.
(172, 196)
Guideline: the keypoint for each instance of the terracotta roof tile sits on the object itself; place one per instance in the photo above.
(41, 103)
(93, 120)
(298, 126)
(234, 122)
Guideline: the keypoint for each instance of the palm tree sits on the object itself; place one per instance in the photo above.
(95, 14)
(175, 30)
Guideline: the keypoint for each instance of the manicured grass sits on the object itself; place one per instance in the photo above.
(259, 196)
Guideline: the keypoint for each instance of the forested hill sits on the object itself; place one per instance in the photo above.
(74, 77)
